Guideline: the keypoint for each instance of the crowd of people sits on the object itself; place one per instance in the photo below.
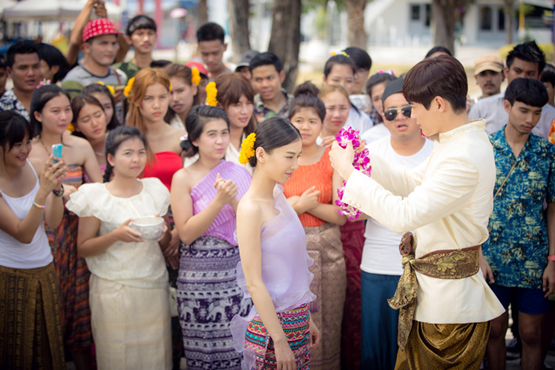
(256, 267)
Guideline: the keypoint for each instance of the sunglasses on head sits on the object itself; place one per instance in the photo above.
(391, 114)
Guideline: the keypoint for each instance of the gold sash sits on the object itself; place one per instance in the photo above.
(445, 264)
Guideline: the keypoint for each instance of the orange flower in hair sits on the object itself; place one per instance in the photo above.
(247, 149)
(129, 86)
(196, 76)
(211, 94)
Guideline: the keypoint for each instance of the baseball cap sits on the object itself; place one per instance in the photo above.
(394, 87)
(246, 59)
(198, 66)
(488, 63)
(99, 27)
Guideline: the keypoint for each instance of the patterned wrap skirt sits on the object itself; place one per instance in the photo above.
(444, 346)
(30, 323)
(208, 298)
(324, 246)
(295, 324)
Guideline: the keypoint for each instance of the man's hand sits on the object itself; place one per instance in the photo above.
(342, 160)
(549, 279)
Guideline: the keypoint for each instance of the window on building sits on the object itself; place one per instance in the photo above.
(415, 12)
(501, 19)
(428, 15)
(485, 18)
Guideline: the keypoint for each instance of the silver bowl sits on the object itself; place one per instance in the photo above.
(151, 228)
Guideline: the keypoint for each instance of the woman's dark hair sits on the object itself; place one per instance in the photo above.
(40, 97)
(13, 128)
(78, 103)
(115, 138)
(360, 57)
(306, 96)
(274, 133)
(440, 76)
(548, 74)
(101, 89)
(231, 86)
(377, 79)
(438, 49)
(528, 91)
(338, 59)
(197, 118)
(54, 57)
(161, 63)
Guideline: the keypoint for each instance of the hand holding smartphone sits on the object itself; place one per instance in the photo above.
(57, 152)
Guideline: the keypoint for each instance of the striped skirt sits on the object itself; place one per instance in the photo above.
(30, 324)
(295, 324)
(208, 297)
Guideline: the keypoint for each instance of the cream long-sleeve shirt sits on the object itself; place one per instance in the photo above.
(447, 201)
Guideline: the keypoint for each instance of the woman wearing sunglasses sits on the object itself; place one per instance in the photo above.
(381, 261)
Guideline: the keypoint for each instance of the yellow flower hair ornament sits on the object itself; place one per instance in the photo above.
(342, 53)
(211, 94)
(129, 86)
(111, 88)
(247, 149)
(195, 78)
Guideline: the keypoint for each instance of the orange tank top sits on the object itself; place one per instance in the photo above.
(318, 174)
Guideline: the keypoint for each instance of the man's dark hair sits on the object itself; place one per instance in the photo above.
(210, 31)
(3, 62)
(20, 47)
(161, 63)
(528, 91)
(140, 22)
(266, 59)
(360, 57)
(438, 49)
(441, 76)
(548, 74)
(528, 51)
(54, 57)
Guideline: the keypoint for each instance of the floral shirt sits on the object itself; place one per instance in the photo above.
(518, 245)
(262, 112)
(9, 101)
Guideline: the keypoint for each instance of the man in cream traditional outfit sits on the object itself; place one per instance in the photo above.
(445, 303)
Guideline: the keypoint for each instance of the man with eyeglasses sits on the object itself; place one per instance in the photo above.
(381, 261)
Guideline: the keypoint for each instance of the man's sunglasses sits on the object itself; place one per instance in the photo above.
(391, 114)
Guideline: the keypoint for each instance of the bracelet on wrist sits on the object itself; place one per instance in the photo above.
(551, 258)
(58, 193)
(39, 205)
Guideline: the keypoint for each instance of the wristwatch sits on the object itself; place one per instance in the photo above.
(58, 193)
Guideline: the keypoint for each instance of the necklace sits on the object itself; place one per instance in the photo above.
(45, 148)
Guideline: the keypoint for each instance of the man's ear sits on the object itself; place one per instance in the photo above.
(9, 72)
(281, 76)
(127, 39)
(507, 105)
(225, 47)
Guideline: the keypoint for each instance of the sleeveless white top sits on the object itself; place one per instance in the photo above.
(13, 253)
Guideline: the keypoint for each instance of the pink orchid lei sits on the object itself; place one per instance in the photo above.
(361, 163)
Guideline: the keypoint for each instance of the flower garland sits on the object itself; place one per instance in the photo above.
(195, 78)
(111, 88)
(211, 94)
(129, 86)
(361, 163)
(247, 149)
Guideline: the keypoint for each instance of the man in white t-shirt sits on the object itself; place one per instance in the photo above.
(381, 261)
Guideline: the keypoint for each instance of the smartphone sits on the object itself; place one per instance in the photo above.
(57, 151)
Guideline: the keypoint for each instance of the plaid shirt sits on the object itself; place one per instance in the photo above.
(9, 101)
(262, 112)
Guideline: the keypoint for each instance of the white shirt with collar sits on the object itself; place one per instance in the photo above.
(447, 201)
(493, 111)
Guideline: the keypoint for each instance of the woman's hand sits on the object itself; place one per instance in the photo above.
(52, 175)
(328, 141)
(284, 355)
(314, 335)
(68, 190)
(307, 201)
(126, 234)
(226, 191)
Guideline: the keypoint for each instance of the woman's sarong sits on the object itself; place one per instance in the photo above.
(444, 346)
(352, 237)
(30, 323)
(208, 297)
(324, 246)
(295, 324)
(131, 326)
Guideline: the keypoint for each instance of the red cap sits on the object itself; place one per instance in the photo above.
(99, 27)
(198, 66)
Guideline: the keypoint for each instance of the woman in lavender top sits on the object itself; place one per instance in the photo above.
(204, 199)
(278, 332)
